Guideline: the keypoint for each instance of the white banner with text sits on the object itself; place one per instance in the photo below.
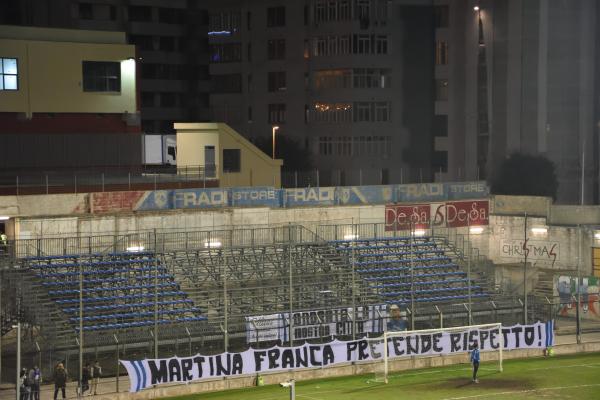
(149, 372)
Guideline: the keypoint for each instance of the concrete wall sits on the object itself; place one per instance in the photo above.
(50, 75)
(518, 205)
(36, 205)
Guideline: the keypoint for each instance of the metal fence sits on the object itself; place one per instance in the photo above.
(232, 274)
(25, 182)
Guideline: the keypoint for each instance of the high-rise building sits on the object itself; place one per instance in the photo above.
(519, 76)
(170, 37)
(350, 80)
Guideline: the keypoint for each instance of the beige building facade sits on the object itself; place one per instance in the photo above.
(225, 155)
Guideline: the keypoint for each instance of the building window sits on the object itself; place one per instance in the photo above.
(276, 49)
(171, 15)
(275, 16)
(381, 44)
(143, 42)
(363, 44)
(362, 112)
(249, 51)
(224, 23)
(276, 114)
(347, 146)
(441, 16)
(441, 52)
(381, 11)
(344, 44)
(168, 43)
(441, 89)
(101, 76)
(332, 45)
(249, 20)
(344, 14)
(249, 114)
(276, 81)
(227, 83)
(226, 52)
(332, 113)
(147, 99)
(363, 11)
(168, 100)
(382, 112)
(140, 13)
(232, 160)
(320, 12)
(86, 11)
(9, 74)
(320, 47)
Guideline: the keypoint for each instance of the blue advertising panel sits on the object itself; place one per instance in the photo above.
(255, 197)
(318, 196)
(156, 200)
(266, 196)
(356, 195)
(420, 192)
(467, 190)
(200, 198)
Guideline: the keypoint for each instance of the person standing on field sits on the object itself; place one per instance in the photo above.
(475, 361)
(96, 373)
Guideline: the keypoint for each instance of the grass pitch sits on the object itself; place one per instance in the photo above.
(567, 377)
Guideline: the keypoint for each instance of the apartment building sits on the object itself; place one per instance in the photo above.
(170, 37)
(67, 99)
(350, 80)
(519, 76)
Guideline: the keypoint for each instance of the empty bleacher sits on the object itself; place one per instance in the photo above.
(404, 269)
(118, 290)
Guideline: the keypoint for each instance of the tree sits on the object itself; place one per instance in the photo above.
(295, 157)
(527, 175)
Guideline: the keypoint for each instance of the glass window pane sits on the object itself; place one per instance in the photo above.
(1, 83)
(10, 82)
(10, 66)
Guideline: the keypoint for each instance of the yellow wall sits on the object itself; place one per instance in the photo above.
(257, 168)
(51, 77)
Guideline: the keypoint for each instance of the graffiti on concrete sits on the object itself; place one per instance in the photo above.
(536, 250)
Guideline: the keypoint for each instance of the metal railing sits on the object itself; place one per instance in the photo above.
(23, 182)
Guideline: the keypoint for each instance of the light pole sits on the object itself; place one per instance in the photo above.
(275, 128)
(525, 253)
(18, 386)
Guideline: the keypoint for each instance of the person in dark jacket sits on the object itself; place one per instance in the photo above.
(85, 378)
(25, 388)
(35, 379)
(60, 380)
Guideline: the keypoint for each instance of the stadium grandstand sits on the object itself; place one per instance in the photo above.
(191, 286)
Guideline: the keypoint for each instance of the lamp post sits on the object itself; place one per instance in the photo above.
(275, 128)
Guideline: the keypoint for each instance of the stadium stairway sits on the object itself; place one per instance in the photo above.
(118, 294)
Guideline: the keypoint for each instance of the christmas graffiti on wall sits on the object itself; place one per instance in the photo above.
(539, 251)
(567, 288)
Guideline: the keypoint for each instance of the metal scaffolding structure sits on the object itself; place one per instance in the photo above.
(155, 294)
